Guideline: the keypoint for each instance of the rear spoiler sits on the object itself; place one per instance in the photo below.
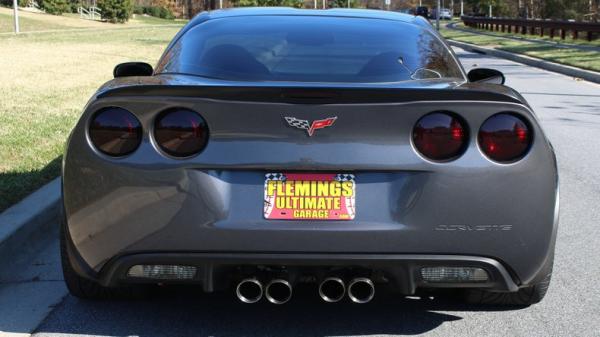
(312, 95)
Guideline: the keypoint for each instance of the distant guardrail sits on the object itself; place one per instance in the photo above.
(535, 27)
(91, 13)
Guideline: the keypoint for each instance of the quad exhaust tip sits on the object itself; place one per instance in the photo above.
(361, 290)
(249, 290)
(332, 289)
(278, 291)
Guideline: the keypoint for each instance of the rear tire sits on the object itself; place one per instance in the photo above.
(523, 297)
(87, 289)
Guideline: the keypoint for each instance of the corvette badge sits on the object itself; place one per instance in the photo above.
(310, 127)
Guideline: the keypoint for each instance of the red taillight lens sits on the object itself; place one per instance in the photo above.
(440, 136)
(505, 138)
(115, 131)
(180, 132)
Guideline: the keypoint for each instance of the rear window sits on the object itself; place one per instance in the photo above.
(310, 49)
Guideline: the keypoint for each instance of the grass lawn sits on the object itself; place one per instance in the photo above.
(586, 59)
(567, 41)
(45, 81)
(35, 22)
(26, 23)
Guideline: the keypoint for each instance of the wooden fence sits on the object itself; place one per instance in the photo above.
(535, 27)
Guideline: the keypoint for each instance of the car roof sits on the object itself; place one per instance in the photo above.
(288, 11)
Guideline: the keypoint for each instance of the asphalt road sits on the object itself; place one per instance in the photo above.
(570, 113)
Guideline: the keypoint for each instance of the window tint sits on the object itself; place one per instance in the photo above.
(310, 49)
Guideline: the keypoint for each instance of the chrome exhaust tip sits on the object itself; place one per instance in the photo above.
(361, 290)
(249, 290)
(332, 289)
(278, 291)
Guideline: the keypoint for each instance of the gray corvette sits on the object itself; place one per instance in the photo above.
(344, 148)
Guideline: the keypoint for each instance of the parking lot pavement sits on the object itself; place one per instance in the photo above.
(570, 112)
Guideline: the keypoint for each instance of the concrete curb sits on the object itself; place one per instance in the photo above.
(24, 223)
(587, 75)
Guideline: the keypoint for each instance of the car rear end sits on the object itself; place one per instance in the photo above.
(421, 184)
(149, 204)
(445, 14)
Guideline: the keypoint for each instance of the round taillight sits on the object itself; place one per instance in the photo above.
(440, 136)
(115, 131)
(504, 138)
(180, 132)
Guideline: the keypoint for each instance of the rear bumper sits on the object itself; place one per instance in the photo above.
(415, 213)
(217, 270)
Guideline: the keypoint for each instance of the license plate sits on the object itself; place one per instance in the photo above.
(309, 196)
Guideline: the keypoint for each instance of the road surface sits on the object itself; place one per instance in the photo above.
(570, 113)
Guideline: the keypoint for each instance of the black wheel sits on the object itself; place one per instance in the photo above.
(87, 289)
(524, 297)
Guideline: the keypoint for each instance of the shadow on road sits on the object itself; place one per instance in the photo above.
(177, 312)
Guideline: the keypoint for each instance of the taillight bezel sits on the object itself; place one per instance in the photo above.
(466, 138)
(165, 152)
(98, 149)
(526, 151)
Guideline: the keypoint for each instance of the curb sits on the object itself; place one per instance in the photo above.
(31, 219)
(587, 75)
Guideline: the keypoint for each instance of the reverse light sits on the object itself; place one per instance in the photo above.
(504, 138)
(162, 272)
(180, 132)
(440, 136)
(115, 131)
(453, 274)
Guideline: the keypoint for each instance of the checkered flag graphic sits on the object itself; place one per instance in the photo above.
(344, 177)
(350, 206)
(275, 176)
(270, 200)
(298, 123)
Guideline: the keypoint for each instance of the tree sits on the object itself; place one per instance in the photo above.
(341, 4)
(116, 10)
(56, 7)
(253, 3)
(544, 9)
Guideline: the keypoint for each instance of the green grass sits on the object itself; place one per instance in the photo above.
(39, 22)
(26, 24)
(150, 20)
(586, 59)
(49, 80)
